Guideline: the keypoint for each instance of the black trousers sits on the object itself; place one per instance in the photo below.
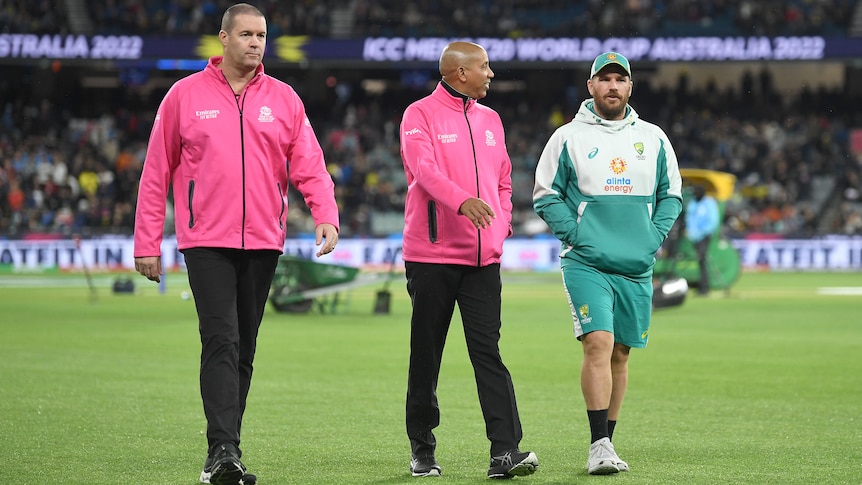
(702, 249)
(434, 289)
(230, 287)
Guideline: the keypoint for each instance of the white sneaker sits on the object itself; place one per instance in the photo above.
(621, 465)
(603, 459)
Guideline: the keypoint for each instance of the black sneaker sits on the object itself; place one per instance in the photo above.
(227, 469)
(513, 463)
(247, 479)
(424, 466)
(208, 470)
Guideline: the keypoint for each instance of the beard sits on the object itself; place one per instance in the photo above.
(611, 110)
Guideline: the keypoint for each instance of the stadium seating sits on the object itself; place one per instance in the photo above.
(72, 167)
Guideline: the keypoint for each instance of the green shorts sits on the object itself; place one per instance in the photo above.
(610, 302)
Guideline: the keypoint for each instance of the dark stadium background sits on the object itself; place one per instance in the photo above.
(770, 91)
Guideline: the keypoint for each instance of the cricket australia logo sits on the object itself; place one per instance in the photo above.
(489, 139)
(639, 147)
(584, 314)
(265, 115)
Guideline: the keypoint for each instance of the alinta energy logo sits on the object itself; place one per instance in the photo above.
(618, 165)
(287, 48)
(618, 184)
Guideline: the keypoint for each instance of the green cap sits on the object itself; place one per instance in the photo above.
(609, 58)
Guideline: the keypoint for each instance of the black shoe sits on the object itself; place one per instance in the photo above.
(247, 479)
(208, 470)
(424, 466)
(227, 469)
(513, 463)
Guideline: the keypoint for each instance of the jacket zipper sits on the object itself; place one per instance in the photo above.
(281, 213)
(478, 195)
(432, 221)
(191, 199)
(239, 107)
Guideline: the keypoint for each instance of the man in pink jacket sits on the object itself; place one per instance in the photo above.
(229, 140)
(458, 212)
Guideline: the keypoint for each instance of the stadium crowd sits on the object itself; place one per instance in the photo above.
(33, 17)
(449, 18)
(71, 168)
(65, 174)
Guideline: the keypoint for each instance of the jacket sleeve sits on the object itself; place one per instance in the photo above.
(669, 189)
(307, 170)
(417, 152)
(163, 157)
(553, 174)
(505, 187)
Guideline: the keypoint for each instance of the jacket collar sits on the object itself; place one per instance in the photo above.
(213, 69)
(451, 97)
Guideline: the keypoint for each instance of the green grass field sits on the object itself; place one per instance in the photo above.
(759, 386)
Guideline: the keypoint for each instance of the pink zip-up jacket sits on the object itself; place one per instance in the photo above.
(453, 149)
(229, 160)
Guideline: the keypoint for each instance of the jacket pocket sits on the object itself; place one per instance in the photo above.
(432, 221)
(281, 213)
(191, 199)
(618, 237)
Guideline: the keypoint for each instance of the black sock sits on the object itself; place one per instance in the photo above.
(612, 423)
(598, 424)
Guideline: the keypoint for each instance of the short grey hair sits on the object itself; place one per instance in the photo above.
(231, 13)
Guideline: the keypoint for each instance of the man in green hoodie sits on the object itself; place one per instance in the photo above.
(608, 186)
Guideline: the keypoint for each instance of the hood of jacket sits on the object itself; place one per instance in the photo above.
(587, 114)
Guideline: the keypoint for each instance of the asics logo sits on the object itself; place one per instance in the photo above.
(505, 460)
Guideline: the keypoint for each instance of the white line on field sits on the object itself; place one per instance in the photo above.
(840, 290)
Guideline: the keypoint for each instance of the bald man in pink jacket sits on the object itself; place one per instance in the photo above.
(458, 212)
